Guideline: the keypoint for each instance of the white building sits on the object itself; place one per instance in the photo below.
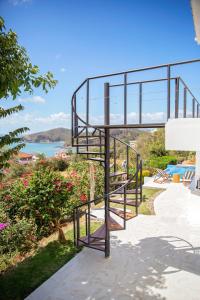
(183, 134)
(195, 4)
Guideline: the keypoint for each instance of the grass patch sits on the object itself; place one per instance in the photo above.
(147, 206)
(26, 276)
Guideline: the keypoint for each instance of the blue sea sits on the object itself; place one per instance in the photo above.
(49, 149)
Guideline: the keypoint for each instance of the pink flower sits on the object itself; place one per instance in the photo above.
(74, 173)
(3, 226)
(25, 183)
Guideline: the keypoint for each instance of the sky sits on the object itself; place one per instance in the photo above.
(76, 39)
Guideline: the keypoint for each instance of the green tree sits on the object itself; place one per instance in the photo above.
(157, 148)
(150, 144)
(17, 75)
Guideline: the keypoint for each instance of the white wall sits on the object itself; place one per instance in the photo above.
(184, 135)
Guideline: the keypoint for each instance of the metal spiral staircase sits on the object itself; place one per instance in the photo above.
(122, 188)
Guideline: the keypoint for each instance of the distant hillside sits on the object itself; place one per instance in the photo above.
(53, 135)
(126, 135)
(63, 134)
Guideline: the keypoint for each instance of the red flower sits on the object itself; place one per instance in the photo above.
(69, 186)
(83, 198)
(25, 183)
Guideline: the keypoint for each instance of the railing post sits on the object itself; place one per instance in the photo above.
(125, 207)
(115, 159)
(140, 103)
(88, 224)
(127, 161)
(78, 226)
(185, 102)
(72, 122)
(136, 189)
(100, 141)
(74, 227)
(125, 98)
(107, 166)
(168, 91)
(193, 108)
(176, 97)
(141, 181)
(87, 112)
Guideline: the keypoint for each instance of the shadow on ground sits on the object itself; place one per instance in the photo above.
(132, 272)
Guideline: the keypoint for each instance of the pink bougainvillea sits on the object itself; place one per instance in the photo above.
(25, 182)
(3, 226)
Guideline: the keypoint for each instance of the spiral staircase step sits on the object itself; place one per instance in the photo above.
(129, 202)
(96, 159)
(117, 174)
(120, 213)
(121, 182)
(88, 145)
(128, 192)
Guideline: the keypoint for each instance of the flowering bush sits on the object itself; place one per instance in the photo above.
(79, 174)
(44, 197)
(3, 226)
(19, 235)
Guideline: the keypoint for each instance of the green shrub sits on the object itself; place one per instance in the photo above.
(16, 170)
(146, 173)
(162, 162)
(3, 216)
(59, 164)
(19, 235)
(48, 199)
(44, 198)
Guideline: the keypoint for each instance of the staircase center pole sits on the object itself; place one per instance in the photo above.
(107, 166)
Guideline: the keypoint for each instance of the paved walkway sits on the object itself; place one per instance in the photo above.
(157, 257)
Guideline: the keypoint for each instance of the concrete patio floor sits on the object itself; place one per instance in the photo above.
(156, 257)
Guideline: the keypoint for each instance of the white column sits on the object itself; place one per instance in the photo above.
(197, 176)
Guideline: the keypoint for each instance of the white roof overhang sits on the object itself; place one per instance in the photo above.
(182, 134)
(195, 4)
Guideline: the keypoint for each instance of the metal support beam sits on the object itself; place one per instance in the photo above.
(185, 102)
(168, 91)
(107, 166)
(193, 108)
(176, 97)
(87, 112)
(125, 98)
(140, 103)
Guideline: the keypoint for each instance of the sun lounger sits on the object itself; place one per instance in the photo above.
(188, 176)
(161, 176)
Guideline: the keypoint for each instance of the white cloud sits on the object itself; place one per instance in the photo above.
(34, 121)
(62, 70)
(19, 2)
(132, 118)
(60, 117)
(34, 99)
(37, 122)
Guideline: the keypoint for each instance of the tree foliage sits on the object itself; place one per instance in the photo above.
(17, 75)
(151, 144)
